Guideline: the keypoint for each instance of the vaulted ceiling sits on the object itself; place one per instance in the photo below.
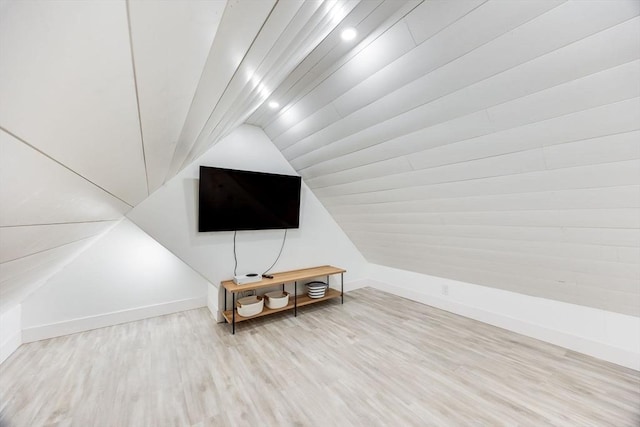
(493, 142)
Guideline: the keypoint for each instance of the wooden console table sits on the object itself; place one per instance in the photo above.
(232, 317)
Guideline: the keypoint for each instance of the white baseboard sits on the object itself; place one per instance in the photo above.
(9, 345)
(10, 331)
(356, 284)
(578, 328)
(51, 330)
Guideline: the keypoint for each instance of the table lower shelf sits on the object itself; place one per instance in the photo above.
(302, 301)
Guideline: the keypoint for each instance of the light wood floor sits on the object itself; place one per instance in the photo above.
(379, 360)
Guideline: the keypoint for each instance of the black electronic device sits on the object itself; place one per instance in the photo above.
(232, 199)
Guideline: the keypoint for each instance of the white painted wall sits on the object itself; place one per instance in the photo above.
(124, 276)
(10, 331)
(170, 216)
(603, 334)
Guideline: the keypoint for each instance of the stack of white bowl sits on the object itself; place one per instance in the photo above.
(316, 289)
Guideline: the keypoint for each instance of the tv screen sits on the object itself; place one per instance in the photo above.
(241, 200)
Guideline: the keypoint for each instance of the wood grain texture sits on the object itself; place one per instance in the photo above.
(302, 301)
(377, 360)
(284, 277)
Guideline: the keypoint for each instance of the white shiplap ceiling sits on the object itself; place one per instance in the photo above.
(496, 143)
(493, 142)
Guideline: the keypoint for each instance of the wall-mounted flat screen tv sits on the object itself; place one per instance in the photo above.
(242, 200)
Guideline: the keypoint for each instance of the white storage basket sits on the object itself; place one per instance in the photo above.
(250, 306)
(276, 299)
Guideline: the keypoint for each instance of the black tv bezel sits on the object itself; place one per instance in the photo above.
(290, 225)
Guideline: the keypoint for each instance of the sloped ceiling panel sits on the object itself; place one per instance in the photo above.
(45, 208)
(22, 276)
(496, 145)
(291, 36)
(171, 41)
(19, 242)
(67, 89)
(376, 45)
(240, 24)
(35, 189)
(71, 160)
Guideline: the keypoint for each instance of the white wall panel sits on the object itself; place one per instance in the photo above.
(491, 19)
(387, 167)
(508, 164)
(598, 89)
(592, 123)
(582, 58)
(21, 277)
(588, 236)
(622, 277)
(575, 51)
(603, 236)
(371, 19)
(332, 158)
(304, 127)
(457, 140)
(616, 174)
(171, 42)
(564, 250)
(432, 16)
(36, 190)
(272, 49)
(325, 57)
(236, 32)
(591, 198)
(369, 127)
(67, 87)
(590, 218)
(18, 242)
(379, 53)
(501, 53)
(15, 268)
(612, 148)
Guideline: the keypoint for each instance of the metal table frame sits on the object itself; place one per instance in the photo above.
(295, 299)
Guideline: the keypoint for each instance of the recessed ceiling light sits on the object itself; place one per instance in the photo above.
(273, 105)
(348, 34)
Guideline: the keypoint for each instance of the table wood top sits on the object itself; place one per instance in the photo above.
(284, 277)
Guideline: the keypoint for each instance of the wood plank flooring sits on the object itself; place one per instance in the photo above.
(378, 360)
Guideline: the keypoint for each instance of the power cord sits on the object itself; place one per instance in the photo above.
(284, 239)
(235, 257)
